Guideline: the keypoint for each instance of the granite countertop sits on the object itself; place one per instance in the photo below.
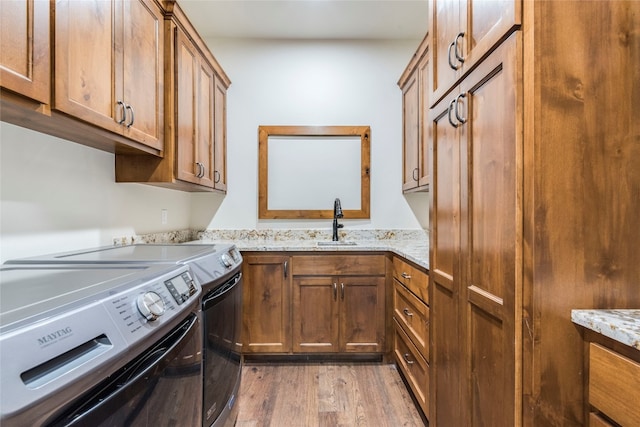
(409, 244)
(620, 325)
(412, 244)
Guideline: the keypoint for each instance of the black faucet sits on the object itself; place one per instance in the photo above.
(337, 213)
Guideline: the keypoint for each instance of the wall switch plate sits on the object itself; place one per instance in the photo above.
(164, 216)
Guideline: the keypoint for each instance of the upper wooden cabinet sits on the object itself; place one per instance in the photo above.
(194, 91)
(220, 135)
(25, 48)
(464, 32)
(109, 66)
(195, 128)
(414, 84)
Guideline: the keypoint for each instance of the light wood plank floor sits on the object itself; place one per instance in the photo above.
(324, 394)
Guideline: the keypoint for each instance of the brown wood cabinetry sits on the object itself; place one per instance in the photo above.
(313, 303)
(463, 32)
(109, 66)
(266, 303)
(529, 218)
(195, 148)
(613, 386)
(475, 227)
(415, 90)
(338, 303)
(412, 325)
(25, 49)
(413, 278)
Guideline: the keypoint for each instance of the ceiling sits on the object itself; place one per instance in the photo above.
(308, 19)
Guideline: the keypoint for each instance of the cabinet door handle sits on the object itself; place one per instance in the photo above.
(123, 112)
(133, 115)
(286, 269)
(406, 276)
(460, 118)
(451, 105)
(335, 291)
(455, 50)
(415, 174)
(342, 290)
(200, 172)
(407, 312)
(406, 359)
(451, 64)
(216, 177)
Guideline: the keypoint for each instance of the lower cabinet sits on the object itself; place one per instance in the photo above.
(414, 367)
(303, 304)
(266, 313)
(411, 328)
(613, 387)
(338, 314)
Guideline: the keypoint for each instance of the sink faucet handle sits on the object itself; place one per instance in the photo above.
(337, 208)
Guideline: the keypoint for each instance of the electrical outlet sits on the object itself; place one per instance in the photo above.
(164, 216)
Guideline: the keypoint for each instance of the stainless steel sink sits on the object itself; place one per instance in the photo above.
(338, 243)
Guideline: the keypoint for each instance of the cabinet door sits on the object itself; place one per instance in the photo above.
(187, 64)
(315, 315)
(195, 112)
(444, 25)
(87, 65)
(220, 137)
(143, 72)
(266, 325)
(411, 132)
(475, 272)
(491, 148)
(25, 48)
(205, 132)
(470, 28)
(484, 24)
(424, 70)
(444, 273)
(362, 311)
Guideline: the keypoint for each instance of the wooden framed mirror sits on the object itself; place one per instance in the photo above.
(303, 169)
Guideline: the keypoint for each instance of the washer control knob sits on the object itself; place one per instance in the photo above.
(150, 305)
(227, 261)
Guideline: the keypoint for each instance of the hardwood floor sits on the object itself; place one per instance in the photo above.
(325, 394)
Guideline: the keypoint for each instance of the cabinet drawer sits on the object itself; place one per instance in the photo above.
(613, 385)
(413, 316)
(330, 265)
(413, 278)
(596, 421)
(414, 367)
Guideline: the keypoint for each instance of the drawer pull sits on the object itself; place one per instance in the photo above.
(406, 359)
(407, 312)
(406, 276)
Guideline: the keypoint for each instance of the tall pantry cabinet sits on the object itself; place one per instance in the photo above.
(534, 197)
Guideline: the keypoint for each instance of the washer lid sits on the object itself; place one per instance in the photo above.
(32, 292)
(130, 254)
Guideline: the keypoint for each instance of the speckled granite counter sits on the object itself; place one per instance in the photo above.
(620, 325)
(410, 244)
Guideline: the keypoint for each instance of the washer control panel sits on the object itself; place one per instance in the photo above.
(230, 258)
(182, 287)
(138, 311)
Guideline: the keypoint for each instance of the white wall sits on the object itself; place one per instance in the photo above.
(284, 82)
(58, 195)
